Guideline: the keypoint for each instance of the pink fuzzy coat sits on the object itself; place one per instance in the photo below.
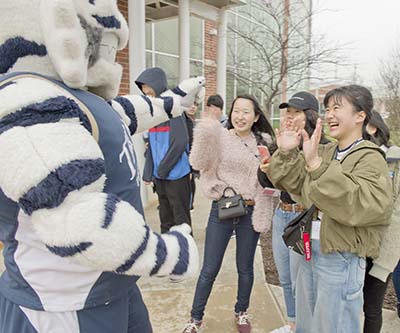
(223, 159)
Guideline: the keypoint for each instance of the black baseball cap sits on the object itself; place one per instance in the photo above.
(302, 100)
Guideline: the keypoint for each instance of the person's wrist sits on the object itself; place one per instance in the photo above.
(314, 164)
(286, 149)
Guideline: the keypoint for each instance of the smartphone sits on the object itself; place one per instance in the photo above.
(264, 153)
(271, 192)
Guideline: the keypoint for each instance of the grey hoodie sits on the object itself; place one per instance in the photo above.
(155, 78)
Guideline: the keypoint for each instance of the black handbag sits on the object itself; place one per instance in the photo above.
(231, 207)
(293, 233)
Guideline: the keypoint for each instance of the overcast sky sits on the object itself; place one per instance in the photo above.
(371, 27)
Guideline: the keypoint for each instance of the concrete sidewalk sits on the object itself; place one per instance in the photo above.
(169, 303)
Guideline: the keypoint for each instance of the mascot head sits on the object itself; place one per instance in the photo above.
(74, 41)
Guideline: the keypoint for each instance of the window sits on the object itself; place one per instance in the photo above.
(170, 65)
(167, 36)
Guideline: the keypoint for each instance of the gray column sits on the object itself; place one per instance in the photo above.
(137, 41)
(221, 54)
(137, 63)
(184, 39)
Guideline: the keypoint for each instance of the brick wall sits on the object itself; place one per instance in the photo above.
(210, 58)
(123, 55)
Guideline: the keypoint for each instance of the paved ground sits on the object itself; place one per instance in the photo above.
(169, 303)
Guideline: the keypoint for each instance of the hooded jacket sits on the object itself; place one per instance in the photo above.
(168, 155)
(154, 77)
(354, 194)
(389, 254)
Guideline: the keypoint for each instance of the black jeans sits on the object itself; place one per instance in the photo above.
(174, 198)
(374, 293)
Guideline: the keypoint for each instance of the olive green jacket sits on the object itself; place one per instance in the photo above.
(354, 194)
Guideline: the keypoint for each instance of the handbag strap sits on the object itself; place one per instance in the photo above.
(228, 188)
(313, 210)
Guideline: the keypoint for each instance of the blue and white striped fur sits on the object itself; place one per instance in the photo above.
(51, 165)
(133, 107)
(64, 39)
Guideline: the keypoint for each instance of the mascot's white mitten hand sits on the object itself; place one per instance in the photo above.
(188, 90)
(199, 98)
(193, 88)
(193, 267)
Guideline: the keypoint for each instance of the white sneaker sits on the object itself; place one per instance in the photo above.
(193, 326)
(283, 329)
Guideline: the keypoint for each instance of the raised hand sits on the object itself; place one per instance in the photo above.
(310, 147)
(287, 136)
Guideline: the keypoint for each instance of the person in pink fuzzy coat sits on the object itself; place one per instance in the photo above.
(228, 157)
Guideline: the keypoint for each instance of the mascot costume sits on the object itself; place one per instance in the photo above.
(71, 217)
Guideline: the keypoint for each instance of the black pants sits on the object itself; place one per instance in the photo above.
(374, 293)
(174, 198)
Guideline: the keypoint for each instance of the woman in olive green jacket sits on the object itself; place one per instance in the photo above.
(348, 182)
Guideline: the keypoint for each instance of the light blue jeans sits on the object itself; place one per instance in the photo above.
(286, 261)
(329, 292)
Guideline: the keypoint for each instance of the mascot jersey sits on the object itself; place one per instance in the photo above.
(71, 217)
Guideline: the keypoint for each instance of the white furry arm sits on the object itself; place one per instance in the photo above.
(61, 190)
(100, 231)
(52, 167)
(141, 112)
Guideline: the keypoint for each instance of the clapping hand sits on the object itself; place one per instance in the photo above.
(288, 136)
(310, 147)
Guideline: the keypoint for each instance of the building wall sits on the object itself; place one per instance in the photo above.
(123, 55)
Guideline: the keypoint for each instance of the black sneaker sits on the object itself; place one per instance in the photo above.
(398, 310)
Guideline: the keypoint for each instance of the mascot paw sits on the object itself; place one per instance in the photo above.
(183, 228)
(189, 91)
(194, 90)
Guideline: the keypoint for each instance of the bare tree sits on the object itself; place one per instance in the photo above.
(389, 79)
(276, 39)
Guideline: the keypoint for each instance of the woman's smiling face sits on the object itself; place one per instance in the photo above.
(243, 116)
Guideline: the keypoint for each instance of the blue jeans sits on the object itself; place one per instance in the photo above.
(329, 292)
(396, 281)
(286, 261)
(218, 234)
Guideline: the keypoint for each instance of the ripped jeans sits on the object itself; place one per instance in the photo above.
(329, 292)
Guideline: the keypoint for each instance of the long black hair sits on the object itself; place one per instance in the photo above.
(382, 134)
(261, 126)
